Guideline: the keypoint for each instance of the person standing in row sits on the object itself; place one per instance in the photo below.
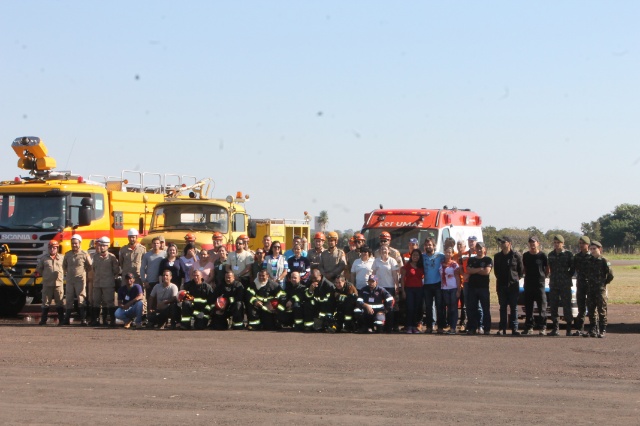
(431, 261)
(508, 269)
(561, 270)
(536, 269)
(76, 265)
(479, 268)
(105, 270)
(599, 275)
(49, 267)
(581, 264)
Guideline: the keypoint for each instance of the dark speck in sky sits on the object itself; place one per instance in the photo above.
(319, 113)
(137, 77)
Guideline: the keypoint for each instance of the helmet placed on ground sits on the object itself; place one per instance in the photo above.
(76, 237)
(53, 243)
(190, 237)
(221, 303)
(104, 240)
(385, 235)
(133, 232)
(319, 236)
(332, 235)
(216, 236)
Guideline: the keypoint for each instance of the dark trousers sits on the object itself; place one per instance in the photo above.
(560, 296)
(508, 297)
(535, 293)
(433, 293)
(344, 313)
(414, 305)
(171, 312)
(475, 296)
(235, 311)
(581, 298)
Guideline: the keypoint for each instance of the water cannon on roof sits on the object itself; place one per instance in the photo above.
(32, 156)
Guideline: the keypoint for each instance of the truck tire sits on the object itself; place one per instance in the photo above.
(11, 301)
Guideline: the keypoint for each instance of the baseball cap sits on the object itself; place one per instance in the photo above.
(413, 241)
(372, 278)
(503, 239)
(480, 244)
(558, 238)
(160, 237)
(129, 275)
(473, 238)
(533, 238)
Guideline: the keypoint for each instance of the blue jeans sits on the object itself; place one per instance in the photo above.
(508, 296)
(433, 293)
(479, 295)
(134, 312)
(450, 303)
(414, 302)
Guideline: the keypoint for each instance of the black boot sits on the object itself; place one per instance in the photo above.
(603, 329)
(67, 317)
(60, 312)
(83, 315)
(95, 314)
(112, 317)
(105, 314)
(568, 329)
(44, 316)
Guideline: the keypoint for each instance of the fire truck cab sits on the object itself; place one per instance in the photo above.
(404, 224)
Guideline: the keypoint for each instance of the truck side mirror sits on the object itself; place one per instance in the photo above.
(84, 214)
(253, 229)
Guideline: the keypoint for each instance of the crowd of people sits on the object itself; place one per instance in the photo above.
(325, 288)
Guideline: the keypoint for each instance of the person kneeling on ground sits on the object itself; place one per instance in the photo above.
(162, 302)
(293, 299)
(198, 308)
(346, 296)
(372, 305)
(228, 304)
(130, 302)
(262, 302)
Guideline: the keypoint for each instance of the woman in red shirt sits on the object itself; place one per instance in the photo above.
(411, 277)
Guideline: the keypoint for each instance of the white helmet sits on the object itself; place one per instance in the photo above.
(133, 232)
(104, 240)
(76, 237)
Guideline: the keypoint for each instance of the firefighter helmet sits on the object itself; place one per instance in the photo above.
(221, 303)
(359, 237)
(104, 240)
(133, 232)
(190, 237)
(274, 303)
(385, 235)
(319, 236)
(53, 243)
(216, 236)
(76, 237)
(184, 295)
(332, 235)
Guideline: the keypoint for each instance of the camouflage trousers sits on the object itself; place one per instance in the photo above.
(581, 299)
(597, 305)
(560, 296)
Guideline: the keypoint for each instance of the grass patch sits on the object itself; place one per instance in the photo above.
(622, 256)
(625, 287)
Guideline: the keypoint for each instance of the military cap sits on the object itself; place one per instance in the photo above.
(585, 239)
(558, 238)
(596, 243)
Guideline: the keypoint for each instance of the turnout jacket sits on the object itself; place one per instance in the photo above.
(263, 293)
(378, 298)
(323, 292)
(233, 292)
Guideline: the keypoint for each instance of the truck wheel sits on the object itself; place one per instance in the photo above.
(11, 302)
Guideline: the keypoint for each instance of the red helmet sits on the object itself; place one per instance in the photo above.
(181, 295)
(54, 243)
(319, 236)
(221, 303)
(274, 303)
(385, 235)
(217, 236)
(359, 237)
(190, 237)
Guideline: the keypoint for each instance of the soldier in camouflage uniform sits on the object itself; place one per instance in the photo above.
(561, 271)
(581, 263)
(599, 275)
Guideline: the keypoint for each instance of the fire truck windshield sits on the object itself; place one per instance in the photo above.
(28, 211)
(190, 216)
(399, 236)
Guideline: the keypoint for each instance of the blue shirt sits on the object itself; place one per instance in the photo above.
(289, 254)
(125, 295)
(432, 267)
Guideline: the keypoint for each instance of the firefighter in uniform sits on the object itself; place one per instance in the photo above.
(228, 300)
(385, 240)
(105, 270)
(599, 275)
(262, 302)
(581, 264)
(76, 265)
(320, 303)
(197, 307)
(561, 271)
(346, 297)
(130, 256)
(49, 267)
(372, 305)
(316, 252)
(353, 255)
(293, 299)
(332, 260)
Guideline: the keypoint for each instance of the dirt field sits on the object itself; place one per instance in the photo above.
(73, 375)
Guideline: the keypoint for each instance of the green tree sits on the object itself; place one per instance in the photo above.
(621, 228)
(323, 220)
(592, 230)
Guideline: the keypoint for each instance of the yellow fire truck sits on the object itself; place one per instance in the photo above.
(53, 205)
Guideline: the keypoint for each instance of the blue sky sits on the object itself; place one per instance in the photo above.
(525, 112)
